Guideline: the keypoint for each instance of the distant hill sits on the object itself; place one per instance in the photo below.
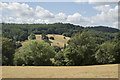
(20, 32)
(104, 29)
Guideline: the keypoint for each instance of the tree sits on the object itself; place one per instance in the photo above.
(52, 38)
(8, 50)
(0, 49)
(44, 37)
(118, 36)
(65, 46)
(117, 48)
(81, 50)
(57, 49)
(18, 44)
(64, 37)
(117, 52)
(59, 59)
(105, 53)
(32, 36)
(22, 36)
(64, 34)
(34, 53)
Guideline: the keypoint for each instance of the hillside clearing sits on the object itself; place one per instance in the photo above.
(58, 39)
(97, 71)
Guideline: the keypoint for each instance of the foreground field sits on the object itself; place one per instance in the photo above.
(99, 71)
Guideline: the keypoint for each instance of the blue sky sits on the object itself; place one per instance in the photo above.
(69, 8)
(83, 13)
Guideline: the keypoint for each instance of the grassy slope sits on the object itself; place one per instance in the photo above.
(97, 71)
(58, 39)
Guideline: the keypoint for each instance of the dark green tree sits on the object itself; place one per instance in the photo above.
(57, 48)
(81, 50)
(44, 37)
(59, 59)
(8, 50)
(18, 44)
(34, 53)
(117, 48)
(105, 53)
(32, 36)
(52, 38)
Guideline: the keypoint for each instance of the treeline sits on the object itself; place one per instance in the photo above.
(104, 29)
(86, 47)
(20, 32)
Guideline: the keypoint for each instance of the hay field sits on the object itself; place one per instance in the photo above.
(97, 71)
(58, 39)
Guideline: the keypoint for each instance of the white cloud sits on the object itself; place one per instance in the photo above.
(81, 0)
(107, 15)
(77, 18)
(17, 9)
(23, 13)
(0, 18)
(39, 21)
(96, 1)
(61, 16)
(42, 13)
(115, 24)
(104, 8)
(17, 20)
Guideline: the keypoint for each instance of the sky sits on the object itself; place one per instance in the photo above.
(78, 13)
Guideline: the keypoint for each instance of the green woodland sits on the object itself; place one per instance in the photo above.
(93, 45)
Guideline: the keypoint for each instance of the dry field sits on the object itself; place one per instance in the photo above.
(58, 39)
(98, 71)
